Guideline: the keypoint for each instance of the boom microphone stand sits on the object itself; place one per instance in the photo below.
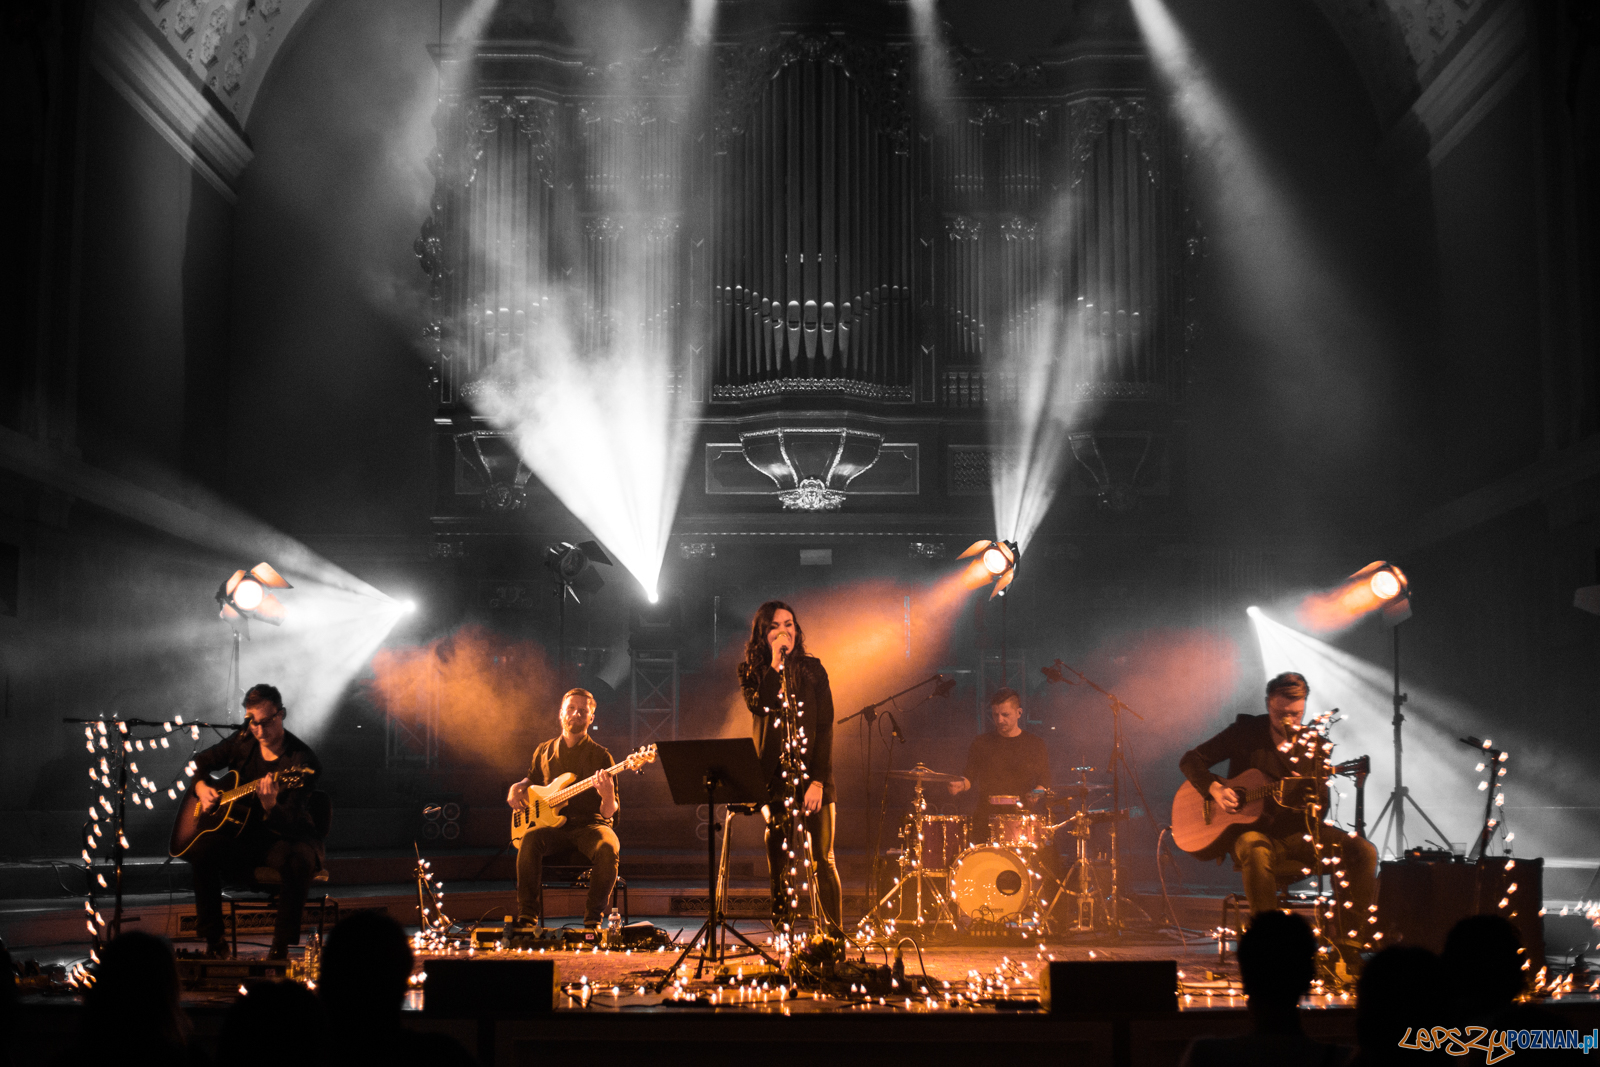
(1119, 762)
(869, 715)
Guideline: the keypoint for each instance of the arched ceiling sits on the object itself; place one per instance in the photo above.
(1397, 45)
(228, 44)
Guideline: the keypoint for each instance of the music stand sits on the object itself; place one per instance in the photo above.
(713, 771)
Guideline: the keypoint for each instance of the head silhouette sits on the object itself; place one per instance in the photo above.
(365, 969)
(1277, 960)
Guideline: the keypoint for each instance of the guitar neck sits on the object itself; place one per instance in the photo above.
(577, 787)
(244, 790)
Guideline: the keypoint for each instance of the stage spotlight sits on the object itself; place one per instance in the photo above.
(1253, 611)
(999, 559)
(1379, 586)
(244, 595)
(655, 598)
(408, 607)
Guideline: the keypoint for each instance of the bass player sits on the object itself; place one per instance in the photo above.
(278, 832)
(589, 814)
(1277, 842)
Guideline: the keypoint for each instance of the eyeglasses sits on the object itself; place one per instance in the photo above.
(262, 722)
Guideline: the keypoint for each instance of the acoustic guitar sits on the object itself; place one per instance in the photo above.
(546, 801)
(227, 819)
(1201, 828)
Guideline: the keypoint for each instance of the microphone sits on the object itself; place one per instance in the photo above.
(783, 654)
(943, 686)
(894, 728)
(1054, 674)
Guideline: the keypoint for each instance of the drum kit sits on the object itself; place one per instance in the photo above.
(948, 879)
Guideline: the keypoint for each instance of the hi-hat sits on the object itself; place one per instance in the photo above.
(920, 773)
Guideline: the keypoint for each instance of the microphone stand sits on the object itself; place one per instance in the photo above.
(869, 715)
(124, 742)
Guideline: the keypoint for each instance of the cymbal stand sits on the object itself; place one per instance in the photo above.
(916, 872)
(869, 715)
(1118, 764)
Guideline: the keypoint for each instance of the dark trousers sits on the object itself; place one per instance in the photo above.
(236, 861)
(829, 894)
(598, 843)
(1261, 858)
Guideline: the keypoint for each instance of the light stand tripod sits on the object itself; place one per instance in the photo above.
(1395, 806)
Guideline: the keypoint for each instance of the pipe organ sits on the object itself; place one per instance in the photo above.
(793, 221)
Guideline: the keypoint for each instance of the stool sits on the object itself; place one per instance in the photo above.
(267, 880)
(574, 874)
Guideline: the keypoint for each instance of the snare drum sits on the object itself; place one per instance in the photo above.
(1013, 830)
(943, 838)
(993, 883)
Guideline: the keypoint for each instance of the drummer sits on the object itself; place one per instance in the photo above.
(1009, 763)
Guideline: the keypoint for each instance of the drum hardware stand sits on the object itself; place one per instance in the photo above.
(1118, 763)
(869, 715)
(1084, 868)
(917, 873)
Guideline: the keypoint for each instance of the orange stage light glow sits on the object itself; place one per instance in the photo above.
(496, 697)
(1377, 585)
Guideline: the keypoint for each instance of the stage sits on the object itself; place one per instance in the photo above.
(982, 1000)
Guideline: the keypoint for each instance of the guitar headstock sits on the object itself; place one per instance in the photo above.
(638, 759)
(294, 777)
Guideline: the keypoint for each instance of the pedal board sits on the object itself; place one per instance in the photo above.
(219, 976)
(489, 936)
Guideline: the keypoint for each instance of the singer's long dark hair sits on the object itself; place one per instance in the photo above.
(757, 654)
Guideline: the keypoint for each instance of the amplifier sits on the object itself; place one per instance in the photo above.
(197, 975)
(1102, 987)
(1419, 900)
(514, 988)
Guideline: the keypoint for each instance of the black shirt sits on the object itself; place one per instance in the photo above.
(809, 687)
(553, 758)
(290, 817)
(1006, 766)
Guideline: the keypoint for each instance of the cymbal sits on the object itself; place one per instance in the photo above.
(920, 773)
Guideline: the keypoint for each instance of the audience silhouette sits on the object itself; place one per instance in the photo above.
(1277, 961)
(1401, 988)
(289, 1012)
(366, 969)
(132, 1007)
(1488, 969)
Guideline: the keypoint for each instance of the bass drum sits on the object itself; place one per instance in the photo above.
(994, 884)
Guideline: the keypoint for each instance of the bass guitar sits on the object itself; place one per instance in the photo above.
(546, 801)
(228, 817)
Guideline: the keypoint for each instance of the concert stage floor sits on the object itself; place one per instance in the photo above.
(604, 1006)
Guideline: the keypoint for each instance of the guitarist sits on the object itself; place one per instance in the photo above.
(1277, 842)
(278, 832)
(589, 814)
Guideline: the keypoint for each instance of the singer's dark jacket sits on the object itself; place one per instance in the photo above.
(290, 817)
(809, 685)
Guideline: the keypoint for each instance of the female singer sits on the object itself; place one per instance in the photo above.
(777, 652)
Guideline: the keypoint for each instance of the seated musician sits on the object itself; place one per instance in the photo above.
(589, 814)
(279, 831)
(1008, 762)
(1277, 842)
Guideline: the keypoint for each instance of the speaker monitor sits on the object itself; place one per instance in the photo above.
(1420, 900)
(1099, 987)
(506, 988)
